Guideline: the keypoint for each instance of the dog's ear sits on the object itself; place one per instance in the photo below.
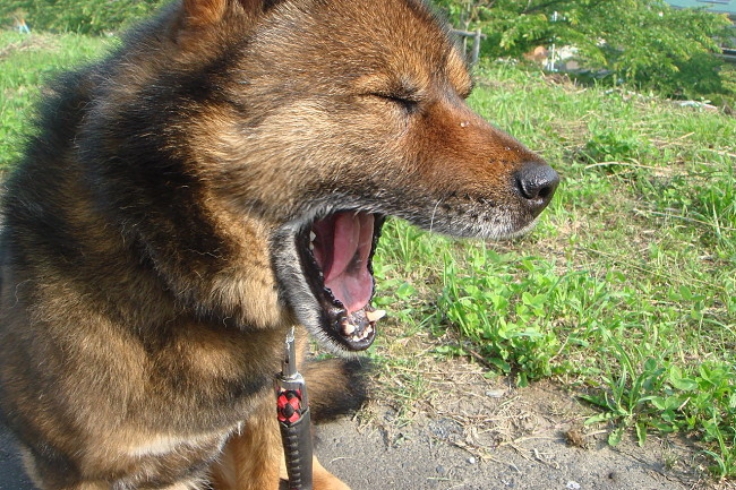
(202, 13)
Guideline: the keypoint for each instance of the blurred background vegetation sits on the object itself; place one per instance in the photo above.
(645, 44)
(95, 17)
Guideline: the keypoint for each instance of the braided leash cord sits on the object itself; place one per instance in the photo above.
(292, 405)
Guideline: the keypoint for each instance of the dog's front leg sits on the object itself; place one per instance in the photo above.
(323, 479)
(250, 459)
(254, 459)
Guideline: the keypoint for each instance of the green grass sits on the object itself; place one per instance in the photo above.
(626, 290)
(26, 63)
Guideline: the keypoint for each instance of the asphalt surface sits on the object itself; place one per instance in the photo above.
(420, 457)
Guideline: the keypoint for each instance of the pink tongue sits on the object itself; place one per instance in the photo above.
(348, 277)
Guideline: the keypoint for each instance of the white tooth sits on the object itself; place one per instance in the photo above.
(348, 329)
(312, 236)
(375, 315)
(311, 245)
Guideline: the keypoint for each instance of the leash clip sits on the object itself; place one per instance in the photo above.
(292, 406)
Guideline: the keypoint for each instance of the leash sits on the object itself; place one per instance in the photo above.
(292, 405)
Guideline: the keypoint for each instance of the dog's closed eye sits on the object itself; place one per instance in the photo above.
(406, 101)
(401, 92)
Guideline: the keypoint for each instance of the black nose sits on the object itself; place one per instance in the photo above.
(536, 182)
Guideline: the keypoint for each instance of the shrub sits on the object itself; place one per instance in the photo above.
(644, 43)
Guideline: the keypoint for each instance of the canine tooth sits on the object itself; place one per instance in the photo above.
(311, 246)
(375, 315)
(348, 328)
(312, 236)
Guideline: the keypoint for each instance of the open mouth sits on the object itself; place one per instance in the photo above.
(336, 254)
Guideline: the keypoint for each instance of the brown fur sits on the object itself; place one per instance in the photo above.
(150, 248)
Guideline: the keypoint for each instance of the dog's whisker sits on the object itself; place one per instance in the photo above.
(434, 214)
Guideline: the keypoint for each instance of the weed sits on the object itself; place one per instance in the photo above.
(498, 303)
(608, 147)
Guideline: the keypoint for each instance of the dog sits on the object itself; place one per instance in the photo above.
(220, 178)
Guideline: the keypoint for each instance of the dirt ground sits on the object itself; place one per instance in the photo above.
(498, 437)
(468, 432)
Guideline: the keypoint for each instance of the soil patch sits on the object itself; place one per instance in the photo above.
(487, 435)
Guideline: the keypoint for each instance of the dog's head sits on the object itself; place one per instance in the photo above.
(318, 118)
